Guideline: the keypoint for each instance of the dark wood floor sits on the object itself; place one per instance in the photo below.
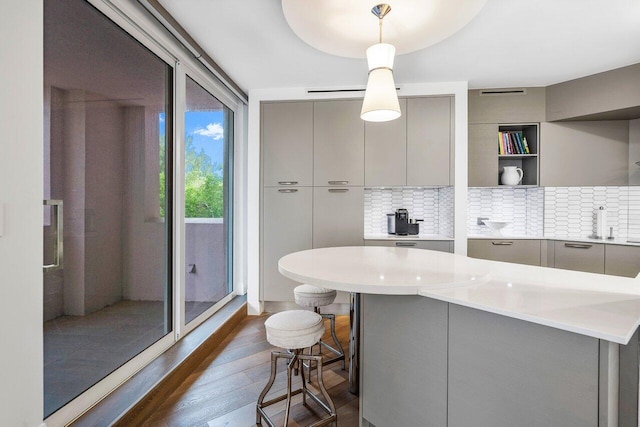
(224, 389)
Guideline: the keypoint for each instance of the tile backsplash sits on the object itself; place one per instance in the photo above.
(521, 207)
(555, 211)
(571, 211)
(433, 205)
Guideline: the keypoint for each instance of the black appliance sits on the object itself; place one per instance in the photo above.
(402, 222)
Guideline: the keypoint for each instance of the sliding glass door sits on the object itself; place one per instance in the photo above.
(208, 200)
(107, 199)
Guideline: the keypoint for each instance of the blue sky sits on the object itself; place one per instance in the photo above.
(207, 130)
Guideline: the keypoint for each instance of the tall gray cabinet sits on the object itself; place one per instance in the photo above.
(287, 193)
(312, 183)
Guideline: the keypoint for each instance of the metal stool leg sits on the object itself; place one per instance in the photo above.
(290, 366)
(296, 357)
(340, 352)
(263, 394)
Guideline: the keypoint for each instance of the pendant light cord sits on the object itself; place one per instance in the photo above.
(380, 31)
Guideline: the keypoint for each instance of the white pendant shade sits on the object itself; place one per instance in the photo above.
(380, 55)
(380, 99)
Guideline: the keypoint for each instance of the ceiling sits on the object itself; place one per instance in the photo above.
(511, 43)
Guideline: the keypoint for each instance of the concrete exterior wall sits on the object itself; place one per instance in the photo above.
(103, 215)
(204, 247)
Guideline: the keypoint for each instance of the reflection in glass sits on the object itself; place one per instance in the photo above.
(208, 149)
(107, 110)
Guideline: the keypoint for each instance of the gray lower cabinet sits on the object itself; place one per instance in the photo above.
(507, 250)
(338, 220)
(579, 256)
(434, 245)
(287, 143)
(622, 260)
(338, 143)
(483, 155)
(286, 228)
(338, 216)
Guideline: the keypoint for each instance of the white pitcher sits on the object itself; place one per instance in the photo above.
(512, 175)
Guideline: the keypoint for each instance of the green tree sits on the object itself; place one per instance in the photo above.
(204, 184)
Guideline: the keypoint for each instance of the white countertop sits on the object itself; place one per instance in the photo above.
(603, 307)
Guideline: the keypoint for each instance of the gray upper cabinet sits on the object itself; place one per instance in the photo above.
(286, 229)
(415, 149)
(287, 139)
(429, 141)
(483, 155)
(338, 216)
(386, 151)
(338, 143)
(612, 95)
(584, 153)
(510, 105)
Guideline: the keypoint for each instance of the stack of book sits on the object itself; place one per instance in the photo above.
(512, 142)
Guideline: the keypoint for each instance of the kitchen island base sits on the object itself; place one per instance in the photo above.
(429, 362)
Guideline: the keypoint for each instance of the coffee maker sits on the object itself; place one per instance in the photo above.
(402, 222)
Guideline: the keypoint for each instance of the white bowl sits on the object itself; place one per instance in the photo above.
(495, 226)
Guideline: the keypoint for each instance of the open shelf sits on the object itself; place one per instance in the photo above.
(527, 162)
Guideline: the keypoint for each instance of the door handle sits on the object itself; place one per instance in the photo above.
(577, 245)
(498, 243)
(338, 182)
(288, 190)
(287, 182)
(58, 254)
(406, 244)
(338, 190)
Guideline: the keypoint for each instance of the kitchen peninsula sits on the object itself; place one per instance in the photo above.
(448, 340)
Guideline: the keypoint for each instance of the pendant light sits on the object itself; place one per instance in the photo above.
(380, 98)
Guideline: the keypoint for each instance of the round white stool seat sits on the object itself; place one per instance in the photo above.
(313, 296)
(294, 329)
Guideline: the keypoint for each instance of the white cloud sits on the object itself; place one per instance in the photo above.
(213, 130)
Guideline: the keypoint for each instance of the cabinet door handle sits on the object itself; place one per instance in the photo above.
(498, 243)
(338, 182)
(406, 243)
(287, 182)
(577, 245)
(288, 190)
(338, 190)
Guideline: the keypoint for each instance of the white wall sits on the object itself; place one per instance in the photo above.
(21, 158)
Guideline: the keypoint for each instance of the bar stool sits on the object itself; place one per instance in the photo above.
(316, 297)
(295, 330)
